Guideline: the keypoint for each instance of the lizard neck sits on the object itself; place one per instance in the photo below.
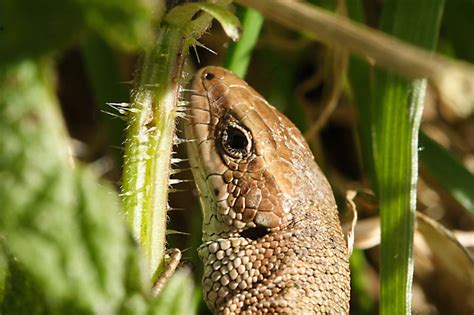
(295, 270)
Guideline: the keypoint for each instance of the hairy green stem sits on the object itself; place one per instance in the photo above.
(151, 123)
(150, 134)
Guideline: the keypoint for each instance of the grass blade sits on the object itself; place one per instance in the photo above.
(396, 107)
(454, 80)
(361, 81)
(448, 171)
(239, 53)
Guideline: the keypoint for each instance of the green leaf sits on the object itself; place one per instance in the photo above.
(127, 24)
(58, 222)
(361, 82)
(395, 112)
(22, 295)
(33, 28)
(389, 112)
(181, 17)
(448, 171)
(30, 29)
(239, 54)
(362, 303)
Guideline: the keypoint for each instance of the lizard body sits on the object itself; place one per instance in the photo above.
(272, 240)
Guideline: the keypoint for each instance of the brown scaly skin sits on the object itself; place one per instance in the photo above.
(272, 241)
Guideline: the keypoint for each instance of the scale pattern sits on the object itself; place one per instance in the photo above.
(272, 240)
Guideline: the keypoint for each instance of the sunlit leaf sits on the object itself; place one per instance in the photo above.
(60, 225)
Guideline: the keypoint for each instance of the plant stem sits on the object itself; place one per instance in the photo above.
(151, 123)
(453, 79)
(149, 142)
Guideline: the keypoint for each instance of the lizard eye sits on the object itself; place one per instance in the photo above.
(236, 141)
(208, 75)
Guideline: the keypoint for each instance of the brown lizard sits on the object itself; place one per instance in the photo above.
(272, 240)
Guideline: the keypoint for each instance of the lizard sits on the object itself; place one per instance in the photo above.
(272, 240)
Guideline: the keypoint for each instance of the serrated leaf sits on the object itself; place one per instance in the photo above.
(57, 222)
(228, 21)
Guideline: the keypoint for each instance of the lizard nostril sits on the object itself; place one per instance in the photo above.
(208, 75)
(255, 232)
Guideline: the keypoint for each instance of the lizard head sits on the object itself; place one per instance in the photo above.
(253, 169)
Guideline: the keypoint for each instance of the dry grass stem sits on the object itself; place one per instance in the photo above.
(454, 80)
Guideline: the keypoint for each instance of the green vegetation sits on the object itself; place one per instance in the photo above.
(72, 242)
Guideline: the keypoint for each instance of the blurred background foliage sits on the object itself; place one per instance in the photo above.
(64, 244)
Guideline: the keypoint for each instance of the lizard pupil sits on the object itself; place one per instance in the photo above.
(209, 76)
(236, 139)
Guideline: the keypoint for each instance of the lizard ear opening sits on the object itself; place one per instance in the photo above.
(255, 232)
